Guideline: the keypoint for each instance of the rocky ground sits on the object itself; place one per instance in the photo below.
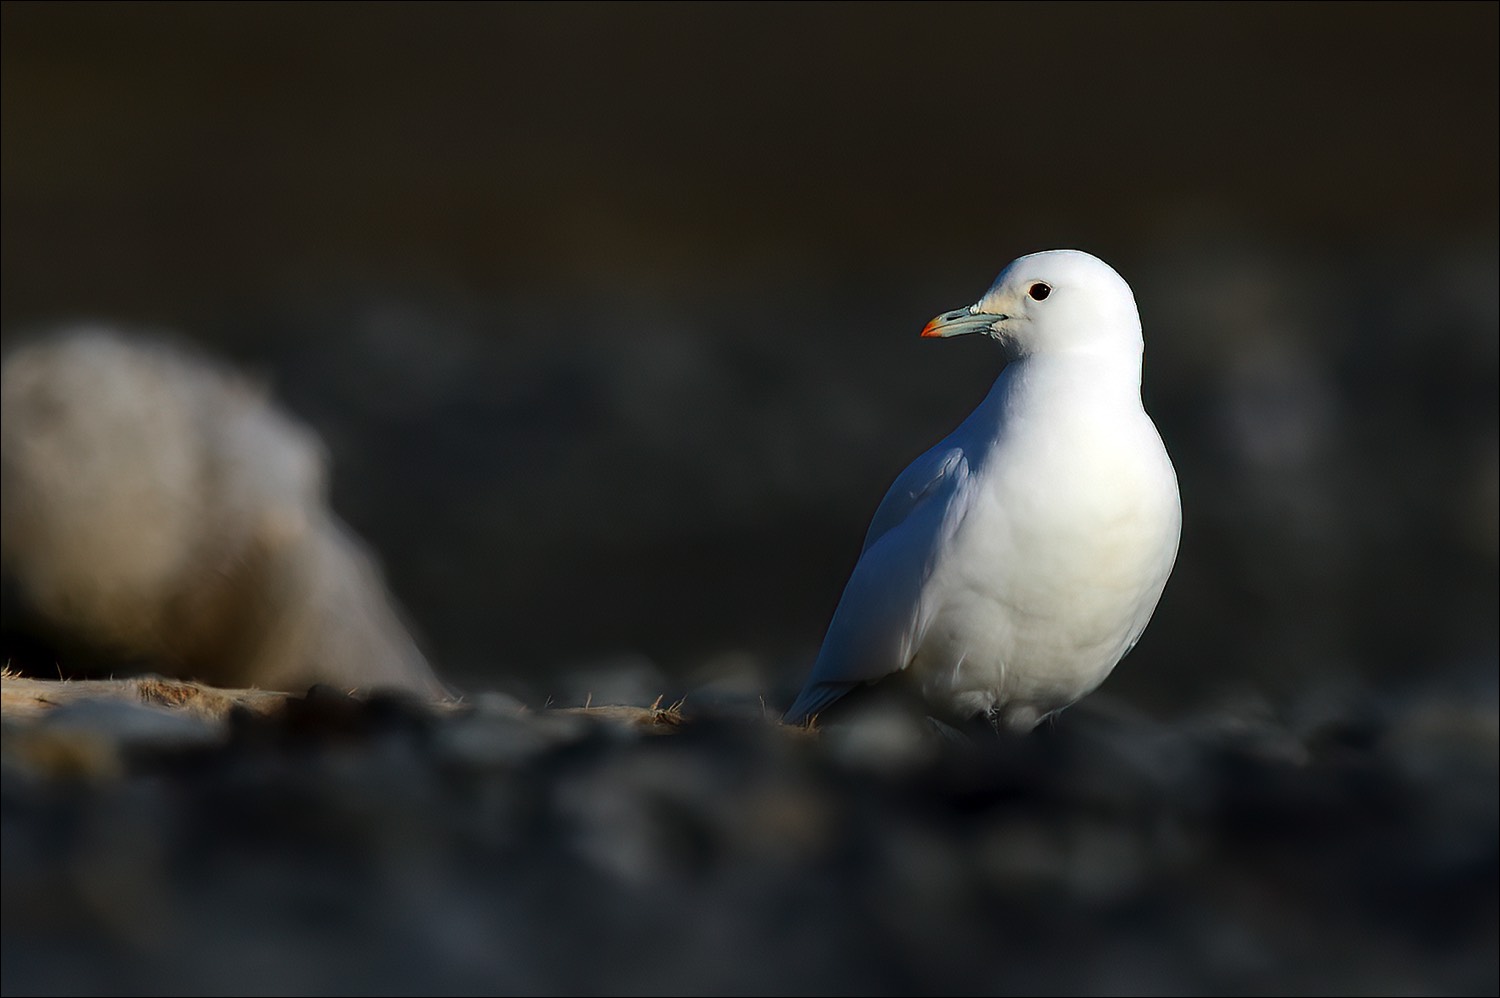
(165, 838)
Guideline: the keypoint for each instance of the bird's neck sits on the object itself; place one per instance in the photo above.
(1062, 384)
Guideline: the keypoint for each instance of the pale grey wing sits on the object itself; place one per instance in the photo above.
(881, 616)
(925, 476)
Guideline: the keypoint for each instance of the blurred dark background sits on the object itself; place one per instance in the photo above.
(608, 313)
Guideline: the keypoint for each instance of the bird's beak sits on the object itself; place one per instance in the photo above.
(960, 321)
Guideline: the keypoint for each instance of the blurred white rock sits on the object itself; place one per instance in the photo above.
(158, 505)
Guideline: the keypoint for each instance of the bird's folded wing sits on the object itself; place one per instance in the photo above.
(883, 614)
(929, 475)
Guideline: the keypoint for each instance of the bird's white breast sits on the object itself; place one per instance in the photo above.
(1070, 532)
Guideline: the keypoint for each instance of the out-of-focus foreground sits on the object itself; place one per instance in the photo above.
(329, 846)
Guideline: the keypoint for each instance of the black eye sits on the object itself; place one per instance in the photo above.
(1039, 291)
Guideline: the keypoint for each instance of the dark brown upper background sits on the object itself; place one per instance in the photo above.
(608, 312)
(158, 159)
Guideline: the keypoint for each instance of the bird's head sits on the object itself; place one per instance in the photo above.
(1058, 301)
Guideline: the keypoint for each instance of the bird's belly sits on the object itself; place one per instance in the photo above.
(1032, 641)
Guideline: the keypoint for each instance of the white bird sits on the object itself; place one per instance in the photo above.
(1010, 567)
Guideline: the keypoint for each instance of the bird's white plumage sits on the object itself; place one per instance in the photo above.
(1010, 567)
